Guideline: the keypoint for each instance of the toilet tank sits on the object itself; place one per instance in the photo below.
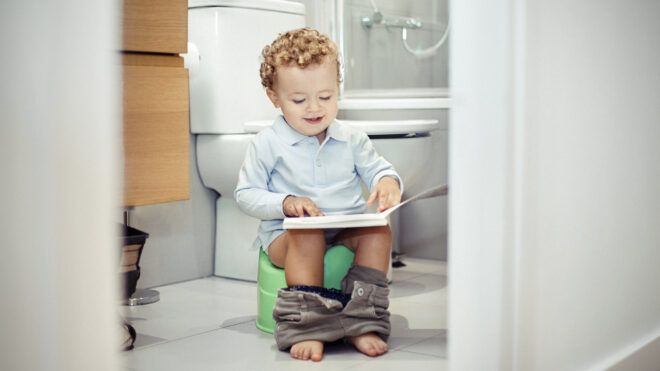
(226, 39)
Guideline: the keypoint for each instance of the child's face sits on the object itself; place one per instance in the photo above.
(307, 97)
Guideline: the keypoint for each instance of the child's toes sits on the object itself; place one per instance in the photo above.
(308, 353)
(305, 350)
(381, 347)
(297, 351)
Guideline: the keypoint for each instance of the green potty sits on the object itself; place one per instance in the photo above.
(271, 278)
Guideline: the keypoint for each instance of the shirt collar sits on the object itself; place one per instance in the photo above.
(286, 132)
(335, 131)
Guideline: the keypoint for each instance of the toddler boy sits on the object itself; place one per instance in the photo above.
(309, 164)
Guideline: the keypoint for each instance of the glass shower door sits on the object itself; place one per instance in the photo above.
(394, 48)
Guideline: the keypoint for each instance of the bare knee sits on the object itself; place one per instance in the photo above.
(302, 238)
(372, 246)
(379, 237)
(300, 253)
(300, 242)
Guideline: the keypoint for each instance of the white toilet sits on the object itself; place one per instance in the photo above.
(228, 106)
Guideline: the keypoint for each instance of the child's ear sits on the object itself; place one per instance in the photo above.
(273, 97)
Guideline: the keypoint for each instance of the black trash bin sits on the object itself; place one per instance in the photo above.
(129, 262)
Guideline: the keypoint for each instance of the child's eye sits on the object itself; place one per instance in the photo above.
(325, 98)
(298, 101)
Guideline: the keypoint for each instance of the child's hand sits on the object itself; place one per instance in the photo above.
(299, 206)
(387, 192)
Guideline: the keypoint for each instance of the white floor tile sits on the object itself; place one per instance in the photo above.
(185, 309)
(401, 274)
(240, 347)
(417, 265)
(208, 324)
(412, 323)
(401, 361)
(428, 289)
(435, 346)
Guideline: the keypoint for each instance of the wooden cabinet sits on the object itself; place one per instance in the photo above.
(155, 102)
(155, 26)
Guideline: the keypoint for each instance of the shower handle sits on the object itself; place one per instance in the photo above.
(390, 21)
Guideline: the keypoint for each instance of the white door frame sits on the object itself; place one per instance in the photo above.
(486, 73)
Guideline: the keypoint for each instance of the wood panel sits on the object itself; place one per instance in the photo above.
(156, 26)
(156, 135)
(148, 59)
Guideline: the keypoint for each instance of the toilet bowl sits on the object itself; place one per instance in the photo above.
(228, 106)
(225, 41)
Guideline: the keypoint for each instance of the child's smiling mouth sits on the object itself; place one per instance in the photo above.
(314, 120)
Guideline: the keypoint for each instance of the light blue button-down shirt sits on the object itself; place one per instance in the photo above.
(281, 162)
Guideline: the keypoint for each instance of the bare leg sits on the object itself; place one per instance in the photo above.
(372, 247)
(300, 253)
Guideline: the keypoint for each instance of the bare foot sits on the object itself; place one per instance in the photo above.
(369, 344)
(308, 349)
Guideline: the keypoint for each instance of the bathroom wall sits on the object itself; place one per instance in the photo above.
(554, 148)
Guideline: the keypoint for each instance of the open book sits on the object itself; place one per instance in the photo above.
(357, 220)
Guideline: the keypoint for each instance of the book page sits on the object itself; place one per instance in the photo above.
(357, 220)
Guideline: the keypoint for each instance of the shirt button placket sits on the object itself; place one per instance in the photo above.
(320, 171)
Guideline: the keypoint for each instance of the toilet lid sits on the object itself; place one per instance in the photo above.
(394, 127)
(273, 5)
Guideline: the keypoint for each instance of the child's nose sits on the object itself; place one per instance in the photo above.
(314, 105)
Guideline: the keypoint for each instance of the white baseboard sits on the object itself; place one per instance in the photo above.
(643, 355)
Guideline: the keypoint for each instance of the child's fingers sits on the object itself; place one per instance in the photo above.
(300, 210)
(383, 203)
(394, 198)
(312, 210)
(372, 197)
(299, 206)
(387, 200)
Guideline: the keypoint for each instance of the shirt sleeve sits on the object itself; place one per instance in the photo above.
(252, 194)
(371, 167)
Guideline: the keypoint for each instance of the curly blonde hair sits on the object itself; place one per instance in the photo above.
(300, 47)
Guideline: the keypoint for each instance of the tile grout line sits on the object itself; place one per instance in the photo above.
(423, 354)
(167, 341)
(415, 343)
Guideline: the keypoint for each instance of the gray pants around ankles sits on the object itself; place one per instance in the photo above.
(320, 315)
(367, 310)
(305, 316)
